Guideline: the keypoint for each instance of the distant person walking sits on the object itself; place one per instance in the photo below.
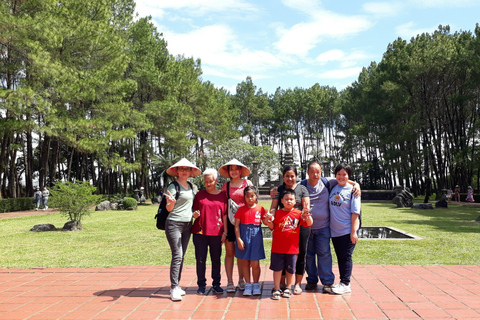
(45, 195)
(470, 195)
(456, 193)
(37, 197)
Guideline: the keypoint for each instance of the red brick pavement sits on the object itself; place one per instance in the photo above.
(142, 292)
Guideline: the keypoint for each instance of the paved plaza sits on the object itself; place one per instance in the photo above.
(142, 292)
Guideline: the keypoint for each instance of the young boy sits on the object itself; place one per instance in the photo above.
(285, 226)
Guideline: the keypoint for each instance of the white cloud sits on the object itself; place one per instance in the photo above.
(383, 9)
(221, 52)
(331, 55)
(341, 73)
(157, 8)
(304, 36)
(408, 30)
(443, 3)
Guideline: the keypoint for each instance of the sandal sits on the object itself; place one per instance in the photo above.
(297, 290)
(276, 295)
(287, 293)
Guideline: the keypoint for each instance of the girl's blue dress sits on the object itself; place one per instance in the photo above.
(252, 237)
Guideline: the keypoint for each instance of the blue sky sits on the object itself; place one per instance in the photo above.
(296, 43)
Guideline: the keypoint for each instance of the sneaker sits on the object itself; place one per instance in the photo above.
(201, 290)
(310, 286)
(46, 207)
(241, 285)
(182, 292)
(247, 291)
(256, 291)
(341, 288)
(230, 287)
(327, 288)
(217, 290)
(36, 209)
(175, 294)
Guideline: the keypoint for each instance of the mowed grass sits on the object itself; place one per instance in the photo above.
(120, 238)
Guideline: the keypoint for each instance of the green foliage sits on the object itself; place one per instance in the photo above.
(73, 199)
(129, 203)
(16, 204)
(246, 153)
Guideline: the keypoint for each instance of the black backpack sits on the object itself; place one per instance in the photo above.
(162, 212)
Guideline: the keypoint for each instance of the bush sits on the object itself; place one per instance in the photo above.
(129, 204)
(16, 204)
(74, 198)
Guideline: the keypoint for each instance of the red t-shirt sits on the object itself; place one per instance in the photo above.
(286, 231)
(212, 209)
(249, 215)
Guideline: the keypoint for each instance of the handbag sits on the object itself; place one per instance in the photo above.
(232, 206)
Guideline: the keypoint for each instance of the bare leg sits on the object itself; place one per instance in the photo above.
(289, 279)
(229, 259)
(277, 275)
(245, 266)
(255, 270)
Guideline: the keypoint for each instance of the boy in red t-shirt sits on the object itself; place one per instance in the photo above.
(285, 226)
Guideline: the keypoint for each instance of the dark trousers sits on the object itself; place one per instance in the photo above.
(178, 235)
(202, 244)
(344, 249)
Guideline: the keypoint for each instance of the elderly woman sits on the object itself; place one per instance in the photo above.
(302, 203)
(237, 172)
(210, 208)
(179, 221)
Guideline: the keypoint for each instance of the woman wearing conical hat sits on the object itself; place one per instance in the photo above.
(237, 172)
(179, 221)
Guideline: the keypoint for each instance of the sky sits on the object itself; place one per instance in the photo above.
(296, 43)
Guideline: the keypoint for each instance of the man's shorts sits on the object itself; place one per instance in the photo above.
(283, 261)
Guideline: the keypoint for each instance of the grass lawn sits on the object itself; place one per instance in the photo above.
(113, 238)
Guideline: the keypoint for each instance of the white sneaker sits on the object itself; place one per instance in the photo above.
(36, 209)
(248, 289)
(256, 291)
(46, 207)
(341, 288)
(182, 292)
(175, 294)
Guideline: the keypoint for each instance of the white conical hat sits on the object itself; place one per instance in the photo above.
(184, 163)
(224, 169)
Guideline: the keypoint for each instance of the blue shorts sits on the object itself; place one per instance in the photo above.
(283, 261)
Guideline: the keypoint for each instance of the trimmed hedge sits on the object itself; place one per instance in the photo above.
(16, 204)
(129, 203)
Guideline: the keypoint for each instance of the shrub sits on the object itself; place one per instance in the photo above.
(129, 204)
(74, 198)
(16, 204)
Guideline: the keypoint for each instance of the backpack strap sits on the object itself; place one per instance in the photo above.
(228, 190)
(177, 189)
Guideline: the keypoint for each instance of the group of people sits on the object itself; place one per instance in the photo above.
(41, 196)
(456, 194)
(303, 218)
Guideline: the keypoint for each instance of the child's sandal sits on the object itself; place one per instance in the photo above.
(287, 293)
(276, 295)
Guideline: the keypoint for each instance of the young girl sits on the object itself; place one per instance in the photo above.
(470, 194)
(249, 249)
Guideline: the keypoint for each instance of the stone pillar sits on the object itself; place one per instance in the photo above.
(255, 179)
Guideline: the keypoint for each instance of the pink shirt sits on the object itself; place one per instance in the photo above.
(236, 194)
